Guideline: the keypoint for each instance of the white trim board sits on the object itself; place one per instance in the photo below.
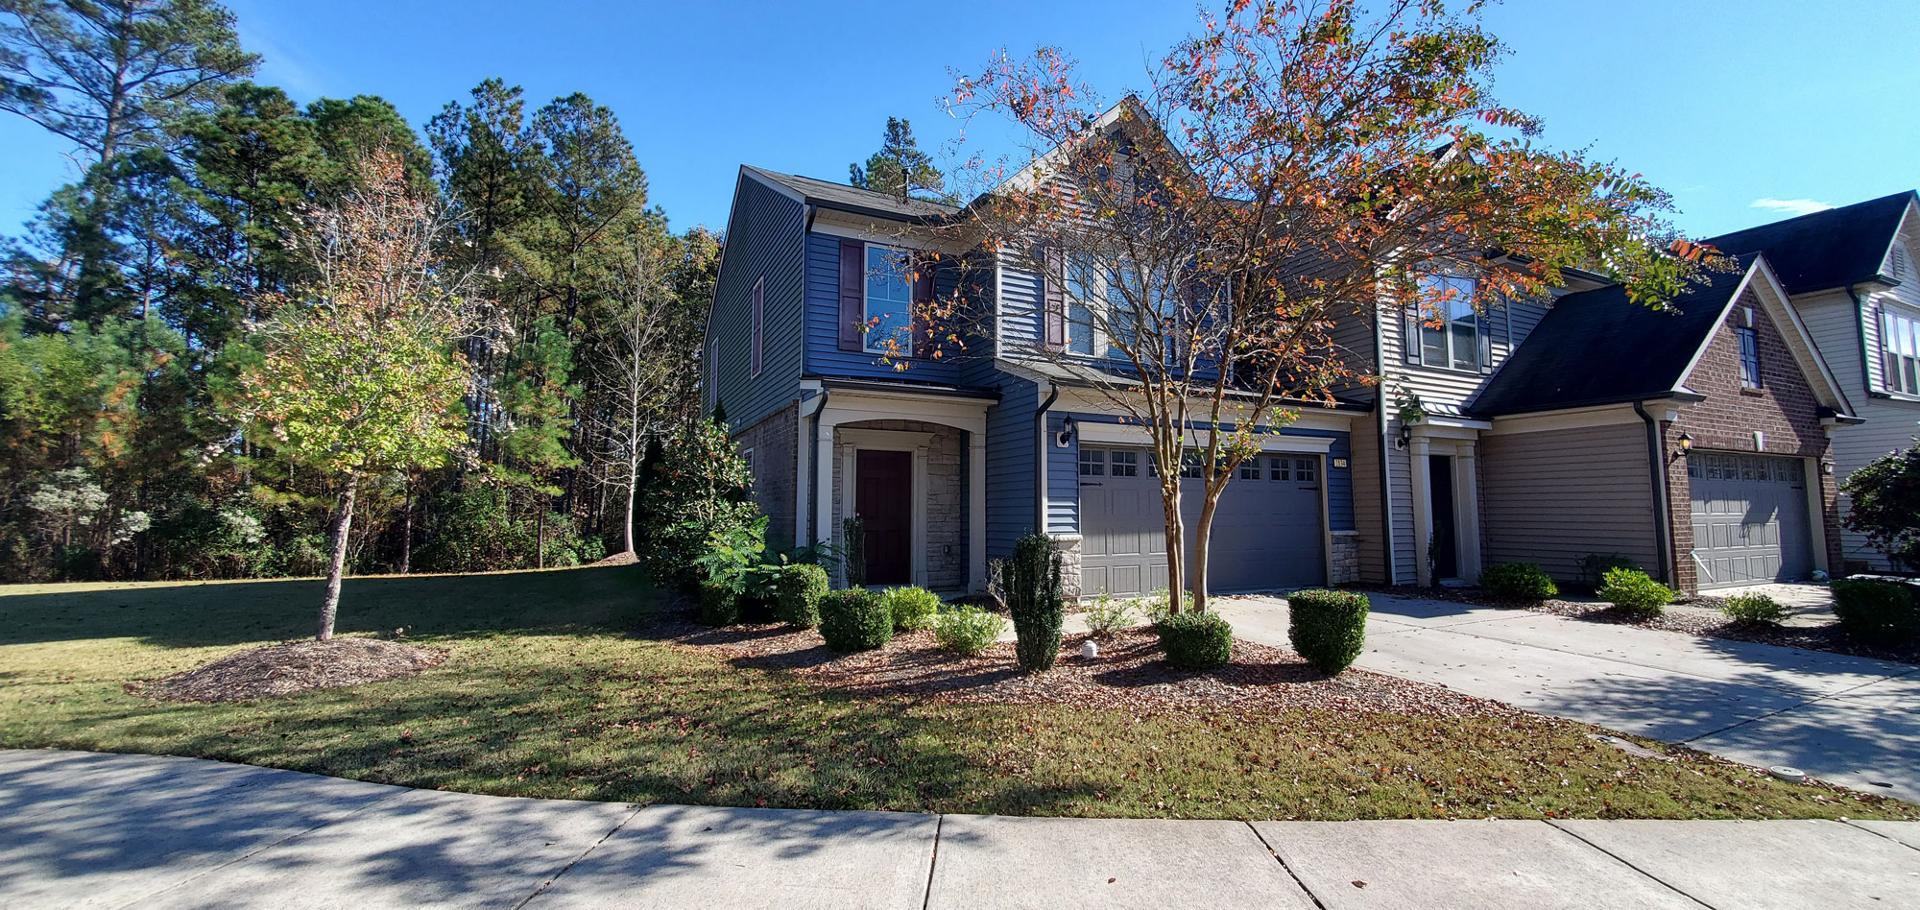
(1123, 434)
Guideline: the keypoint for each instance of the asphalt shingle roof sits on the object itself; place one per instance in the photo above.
(850, 198)
(1598, 347)
(1825, 250)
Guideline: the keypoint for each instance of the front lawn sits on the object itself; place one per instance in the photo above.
(563, 684)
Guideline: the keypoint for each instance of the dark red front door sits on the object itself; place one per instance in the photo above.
(883, 496)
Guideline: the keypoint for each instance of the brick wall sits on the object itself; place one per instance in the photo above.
(776, 468)
(1784, 410)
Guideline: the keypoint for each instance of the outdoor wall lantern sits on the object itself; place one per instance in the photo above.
(1065, 436)
(1686, 443)
(1406, 436)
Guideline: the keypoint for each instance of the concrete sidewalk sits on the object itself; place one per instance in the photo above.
(83, 829)
(1847, 720)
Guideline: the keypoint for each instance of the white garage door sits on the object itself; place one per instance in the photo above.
(1749, 519)
(1266, 533)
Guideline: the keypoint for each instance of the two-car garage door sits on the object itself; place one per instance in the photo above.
(1266, 532)
(1749, 519)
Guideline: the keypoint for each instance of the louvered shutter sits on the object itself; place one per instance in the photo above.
(853, 280)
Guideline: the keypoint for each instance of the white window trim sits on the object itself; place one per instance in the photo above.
(1890, 378)
(1482, 357)
(1099, 301)
(868, 334)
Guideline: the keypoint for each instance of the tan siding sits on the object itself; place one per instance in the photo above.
(1555, 496)
(1367, 518)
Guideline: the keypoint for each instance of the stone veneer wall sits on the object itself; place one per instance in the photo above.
(946, 544)
(1346, 558)
(1069, 547)
(776, 470)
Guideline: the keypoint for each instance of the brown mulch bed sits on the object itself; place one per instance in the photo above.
(289, 667)
(1827, 637)
(1128, 675)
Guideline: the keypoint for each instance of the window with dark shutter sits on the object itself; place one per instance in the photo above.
(923, 274)
(1053, 298)
(853, 280)
(1749, 357)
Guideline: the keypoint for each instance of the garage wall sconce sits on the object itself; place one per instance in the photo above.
(1406, 436)
(1686, 445)
(1064, 438)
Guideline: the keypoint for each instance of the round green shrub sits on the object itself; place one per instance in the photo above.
(1196, 641)
(967, 630)
(797, 592)
(719, 604)
(854, 620)
(912, 608)
(1635, 593)
(1522, 582)
(1327, 628)
(1878, 612)
(1757, 609)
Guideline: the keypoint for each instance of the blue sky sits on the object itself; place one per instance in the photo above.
(1726, 105)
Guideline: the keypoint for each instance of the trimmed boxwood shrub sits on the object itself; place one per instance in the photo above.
(967, 630)
(1878, 612)
(1327, 628)
(796, 594)
(1755, 609)
(854, 620)
(719, 604)
(1522, 582)
(1196, 641)
(912, 608)
(1635, 593)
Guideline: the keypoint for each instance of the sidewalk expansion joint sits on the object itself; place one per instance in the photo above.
(1554, 824)
(542, 889)
(1288, 869)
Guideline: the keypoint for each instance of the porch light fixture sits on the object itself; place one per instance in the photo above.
(1686, 443)
(1064, 438)
(1406, 436)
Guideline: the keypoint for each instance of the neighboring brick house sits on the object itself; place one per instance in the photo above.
(1693, 441)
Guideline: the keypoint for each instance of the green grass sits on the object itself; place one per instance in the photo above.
(549, 691)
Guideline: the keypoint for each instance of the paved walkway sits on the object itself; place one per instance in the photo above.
(1848, 720)
(87, 830)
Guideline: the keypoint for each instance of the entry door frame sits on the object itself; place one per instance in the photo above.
(909, 441)
(1461, 443)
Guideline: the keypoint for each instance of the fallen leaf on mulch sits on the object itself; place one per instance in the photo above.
(289, 667)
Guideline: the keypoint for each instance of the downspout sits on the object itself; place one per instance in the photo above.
(1386, 452)
(1662, 519)
(1040, 459)
(813, 440)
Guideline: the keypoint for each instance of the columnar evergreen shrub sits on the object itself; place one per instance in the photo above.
(1196, 641)
(1634, 592)
(797, 592)
(912, 608)
(1521, 582)
(1878, 612)
(967, 630)
(854, 620)
(1030, 586)
(853, 550)
(1327, 628)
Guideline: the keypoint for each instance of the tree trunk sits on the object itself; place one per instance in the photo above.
(1202, 535)
(406, 534)
(540, 533)
(633, 492)
(337, 537)
(1176, 545)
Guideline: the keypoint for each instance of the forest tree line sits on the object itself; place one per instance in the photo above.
(130, 303)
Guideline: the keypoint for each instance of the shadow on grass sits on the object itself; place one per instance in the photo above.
(195, 614)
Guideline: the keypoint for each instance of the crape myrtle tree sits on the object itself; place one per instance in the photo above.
(356, 376)
(1288, 164)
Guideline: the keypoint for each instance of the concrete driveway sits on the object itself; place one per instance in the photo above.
(88, 830)
(1848, 720)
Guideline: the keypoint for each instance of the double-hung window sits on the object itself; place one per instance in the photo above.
(889, 307)
(1106, 306)
(1900, 351)
(1450, 328)
(1081, 289)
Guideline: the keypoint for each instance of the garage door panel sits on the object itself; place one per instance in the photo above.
(1749, 516)
(1266, 529)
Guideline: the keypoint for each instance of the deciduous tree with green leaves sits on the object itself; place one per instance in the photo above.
(356, 373)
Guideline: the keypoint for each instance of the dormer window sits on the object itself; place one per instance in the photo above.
(1450, 328)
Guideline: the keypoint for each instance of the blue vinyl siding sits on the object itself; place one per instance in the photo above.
(1063, 481)
(1019, 309)
(763, 242)
(1010, 469)
(824, 357)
